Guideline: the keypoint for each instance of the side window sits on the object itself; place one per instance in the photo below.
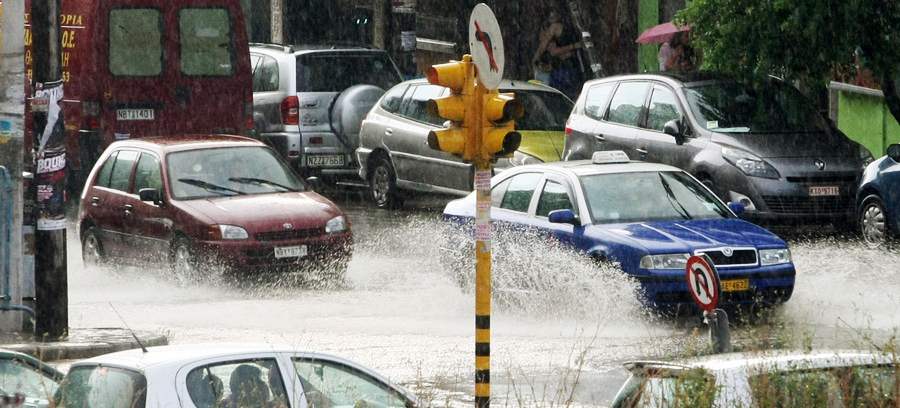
(255, 383)
(135, 42)
(121, 171)
(596, 99)
(519, 192)
(627, 102)
(498, 192)
(103, 178)
(391, 100)
(554, 197)
(663, 108)
(102, 387)
(147, 174)
(416, 105)
(265, 73)
(327, 384)
(207, 43)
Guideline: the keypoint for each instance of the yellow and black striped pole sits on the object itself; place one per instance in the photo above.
(482, 257)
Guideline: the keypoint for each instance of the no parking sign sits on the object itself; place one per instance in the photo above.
(703, 281)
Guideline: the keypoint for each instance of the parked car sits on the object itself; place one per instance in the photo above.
(198, 202)
(26, 381)
(878, 199)
(227, 375)
(647, 218)
(766, 147)
(309, 101)
(820, 378)
(394, 156)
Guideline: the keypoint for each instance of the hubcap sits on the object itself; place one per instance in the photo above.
(873, 226)
(380, 184)
(182, 259)
(91, 250)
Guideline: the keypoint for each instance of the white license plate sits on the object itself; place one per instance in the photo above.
(290, 252)
(823, 191)
(325, 160)
(135, 114)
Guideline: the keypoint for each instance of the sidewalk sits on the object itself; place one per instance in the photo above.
(81, 343)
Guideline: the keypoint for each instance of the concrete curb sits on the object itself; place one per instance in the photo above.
(82, 343)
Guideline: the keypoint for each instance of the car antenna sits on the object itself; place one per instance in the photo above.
(129, 328)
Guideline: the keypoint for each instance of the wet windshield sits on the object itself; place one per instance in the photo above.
(543, 110)
(649, 196)
(206, 173)
(730, 107)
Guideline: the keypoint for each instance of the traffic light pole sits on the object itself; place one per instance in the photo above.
(482, 256)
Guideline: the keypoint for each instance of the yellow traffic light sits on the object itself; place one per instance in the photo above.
(459, 138)
(499, 136)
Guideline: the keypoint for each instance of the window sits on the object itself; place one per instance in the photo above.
(337, 71)
(147, 174)
(265, 73)
(543, 110)
(103, 178)
(121, 171)
(554, 197)
(247, 383)
(596, 99)
(102, 387)
(392, 99)
(328, 384)
(663, 108)
(207, 44)
(136, 42)
(18, 377)
(626, 104)
(416, 105)
(519, 192)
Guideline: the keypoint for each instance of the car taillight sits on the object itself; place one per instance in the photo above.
(90, 114)
(248, 112)
(290, 111)
(568, 130)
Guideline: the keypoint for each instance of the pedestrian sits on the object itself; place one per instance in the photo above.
(559, 45)
(665, 52)
(684, 57)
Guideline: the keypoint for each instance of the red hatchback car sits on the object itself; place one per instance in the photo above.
(209, 202)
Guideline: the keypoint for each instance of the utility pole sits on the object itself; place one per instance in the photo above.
(50, 269)
(12, 149)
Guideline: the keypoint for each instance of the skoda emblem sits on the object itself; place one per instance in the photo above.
(820, 164)
(728, 252)
(287, 225)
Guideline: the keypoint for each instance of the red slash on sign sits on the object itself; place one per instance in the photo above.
(703, 282)
(486, 40)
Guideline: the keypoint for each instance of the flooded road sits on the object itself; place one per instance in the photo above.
(401, 314)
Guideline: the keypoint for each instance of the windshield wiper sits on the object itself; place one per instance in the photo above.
(209, 186)
(251, 180)
(671, 197)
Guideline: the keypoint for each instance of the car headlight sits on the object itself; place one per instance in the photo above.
(520, 159)
(336, 224)
(865, 156)
(749, 163)
(228, 232)
(774, 256)
(665, 261)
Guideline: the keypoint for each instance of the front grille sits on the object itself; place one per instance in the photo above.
(275, 236)
(831, 178)
(739, 257)
(809, 205)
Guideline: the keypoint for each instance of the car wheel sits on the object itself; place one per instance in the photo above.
(873, 222)
(384, 185)
(92, 248)
(182, 258)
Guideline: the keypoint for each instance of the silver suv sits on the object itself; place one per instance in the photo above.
(309, 101)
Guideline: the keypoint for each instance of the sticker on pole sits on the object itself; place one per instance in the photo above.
(486, 46)
(703, 281)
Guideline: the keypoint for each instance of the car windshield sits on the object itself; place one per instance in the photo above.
(649, 196)
(337, 71)
(226, 171)
(730, 107)
(100, 387)
(543, 110)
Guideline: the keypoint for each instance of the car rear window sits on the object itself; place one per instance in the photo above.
(337, 71)
(135, 42)
(207, 43)
(102, 387)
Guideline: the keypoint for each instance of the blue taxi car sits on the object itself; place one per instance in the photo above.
(647, 218)
(878, 199)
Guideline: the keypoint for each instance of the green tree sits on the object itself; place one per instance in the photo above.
(799, 40)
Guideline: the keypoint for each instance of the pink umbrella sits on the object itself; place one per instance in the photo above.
(660, 33)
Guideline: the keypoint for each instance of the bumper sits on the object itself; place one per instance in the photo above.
(793, 200)
(287, 144)
(767, 286)
(325, 252)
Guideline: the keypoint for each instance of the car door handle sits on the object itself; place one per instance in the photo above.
(128, 208)
(388, 131)
(641, 152)
(600, 138)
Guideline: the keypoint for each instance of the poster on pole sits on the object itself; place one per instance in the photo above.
(50, 157)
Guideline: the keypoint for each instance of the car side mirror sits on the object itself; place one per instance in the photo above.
(563, 217)
(674, 129)
(150, 194)
(736, 207)
(893, 151)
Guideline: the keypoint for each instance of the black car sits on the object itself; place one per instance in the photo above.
(766, 147)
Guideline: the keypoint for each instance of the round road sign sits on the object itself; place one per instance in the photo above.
(486, 46)
(703, 282)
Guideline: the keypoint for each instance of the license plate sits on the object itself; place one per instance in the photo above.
(735, 285)
(290, 252)
(135, 114)
(325, 160)
(823, 191)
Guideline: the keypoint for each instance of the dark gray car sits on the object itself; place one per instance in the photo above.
(765, 147)
(309, 101)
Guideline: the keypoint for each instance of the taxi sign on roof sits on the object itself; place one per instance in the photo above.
(609, 156)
